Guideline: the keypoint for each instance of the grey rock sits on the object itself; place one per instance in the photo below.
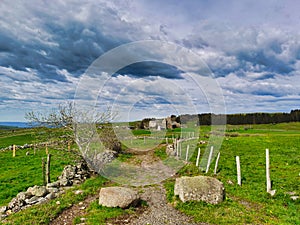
(50, 196)
(118, 197)
(53, 184)
(53, 190)
(33, 200)
(170, 150)
(15, 204)
(200, 188)
(106, 157)
(3, 209)
(39, 191)
(24, 195)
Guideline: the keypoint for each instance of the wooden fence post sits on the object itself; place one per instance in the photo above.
(48, 169)
(209, 158)
(43, 171)
(47, 152)
(198, 157)
(187, 152)
(238, 168)
(217, 162)
(268, 171)
(14, 150)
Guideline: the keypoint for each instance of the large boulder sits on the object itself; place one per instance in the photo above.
(200, 188)
(118, 197)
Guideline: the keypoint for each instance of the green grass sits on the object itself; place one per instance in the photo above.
(44, 213)
(97, 214)
(20, 172)
(246, 204)
(250, 203)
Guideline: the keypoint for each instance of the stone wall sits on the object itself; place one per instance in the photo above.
(71, 175)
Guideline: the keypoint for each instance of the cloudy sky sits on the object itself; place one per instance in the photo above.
(252, 49)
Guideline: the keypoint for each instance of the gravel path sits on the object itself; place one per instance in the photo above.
(158, 212)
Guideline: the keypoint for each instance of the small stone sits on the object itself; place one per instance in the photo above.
(32, 200)
(3, 209)
(53, 185)
(53, 190)
(294, 198)
(80, 203)
(77, 192)
(58, 203)
(50, 196)
(39, 191)
(82, 219)
(230, 182)
(24, 195)
(8, 212)
(82, 208)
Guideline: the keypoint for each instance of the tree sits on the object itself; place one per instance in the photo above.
(78, 125)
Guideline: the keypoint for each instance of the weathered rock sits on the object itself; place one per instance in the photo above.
(170, 150)
(33, 200)
(53, 190)
(50, 196)
(118, 197)
(53, 184)
(106, 157)
(15, 204)
(39, 191)
(24, 195)
(200, 188)
(3, 209)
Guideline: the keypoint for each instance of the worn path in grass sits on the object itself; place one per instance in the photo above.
(157, 212)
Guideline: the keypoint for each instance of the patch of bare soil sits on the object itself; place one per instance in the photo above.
(68, 215)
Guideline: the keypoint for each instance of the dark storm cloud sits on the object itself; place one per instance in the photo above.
(146, 69)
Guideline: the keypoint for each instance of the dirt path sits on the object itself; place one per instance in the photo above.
(68, 215)
(158, 211)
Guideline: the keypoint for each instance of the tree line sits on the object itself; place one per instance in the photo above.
(244, 118)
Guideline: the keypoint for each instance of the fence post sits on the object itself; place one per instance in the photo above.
(187, 152)
(209, 158)
(69, 146)
(217, 162)
(268, 171)
(47, 152)
(238, 168)
(198, 157)
(14, 150)
(48, 169)
(43, 171)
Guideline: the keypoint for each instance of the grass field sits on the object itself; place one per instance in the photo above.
(250, 203)
(246, 204)
(20, 172)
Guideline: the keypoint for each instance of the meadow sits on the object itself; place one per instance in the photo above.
(245, 204)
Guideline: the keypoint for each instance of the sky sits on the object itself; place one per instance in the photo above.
(251, 48)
